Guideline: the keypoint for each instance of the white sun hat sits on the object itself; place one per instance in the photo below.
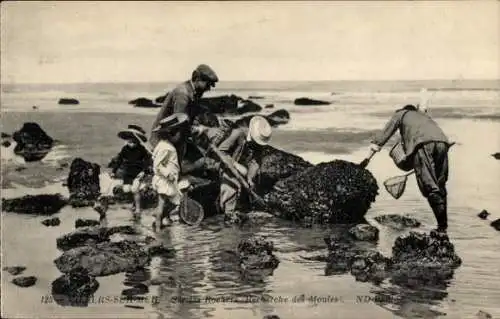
(259, 130)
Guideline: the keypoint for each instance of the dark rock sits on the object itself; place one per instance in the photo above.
(496, 224)
(160, 99)
(483, 315)
(397, 221)
(160, 249)
(20, 168)
(75, 288)
(134, 307)
(34, 107)
(5, 135)
(149, 197)
(84, 235)
(220, 104)
(6, 143)
(45, 204)
(104, 259)
(333, 192)
(33, 144)
(64, 165)
(275, 119)
(277, 165)
(52, 222)
(14, 270)
(143, 102)
(370, 266)
(308, 101)
(256, 253)
(421, 259)
(364, 232)
(246, 106)
(496, 155)
(255, 97)
(483, 214)
(139, 289)
(86, 222)
(83, 183)
(68, 101)
(270, 317)
(269, 106)
(24, 281)
(340, 257)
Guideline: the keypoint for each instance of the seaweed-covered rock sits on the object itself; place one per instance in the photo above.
(277, 165)
(275, 119)
(86, 222)
(25, 281)
(45, 204)
(104, 259)
(66, 101)
(143, 102)
(245, 106)
(421, 259)
(33, 144)
(51, 221)
(397, 221)
(308, 101)
(333, 192)
(83, 183)
(220, 104)
(340, 257)
(496, 224)
(370, 266)
(14, 270)
(75, 288)
(364, 232)
(256, 253)
(85, 235)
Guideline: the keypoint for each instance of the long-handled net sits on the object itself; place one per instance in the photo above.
(396, 185)
(190, 211)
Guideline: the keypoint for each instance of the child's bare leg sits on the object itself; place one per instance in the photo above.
(137, 204)
(159, 213)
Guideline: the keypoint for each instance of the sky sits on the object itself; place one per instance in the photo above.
(71, 42)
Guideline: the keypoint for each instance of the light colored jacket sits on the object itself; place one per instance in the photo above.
(415, 127)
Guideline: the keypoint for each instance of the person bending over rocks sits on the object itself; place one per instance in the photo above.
(426, 149)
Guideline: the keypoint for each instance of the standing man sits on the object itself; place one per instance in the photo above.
(426, 146)
(185, 98)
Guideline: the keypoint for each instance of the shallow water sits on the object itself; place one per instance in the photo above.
(203, 265)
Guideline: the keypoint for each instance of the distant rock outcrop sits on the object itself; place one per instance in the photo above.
(496, 155)
(33, 144)
(144, 102)
(308, 101)
(67, 101)
(279, 117)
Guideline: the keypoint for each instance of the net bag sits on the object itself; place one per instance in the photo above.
(190, 211)
(396, 186)
(398, 155)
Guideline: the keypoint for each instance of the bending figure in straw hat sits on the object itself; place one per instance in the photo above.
(425, 148)
(244, 148)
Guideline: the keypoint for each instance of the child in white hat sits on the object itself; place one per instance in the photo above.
(166, 166)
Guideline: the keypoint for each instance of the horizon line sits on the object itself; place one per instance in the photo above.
(248, 81)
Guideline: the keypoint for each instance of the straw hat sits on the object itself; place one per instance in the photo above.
(171, 122)
(133, 132)
(259, 130)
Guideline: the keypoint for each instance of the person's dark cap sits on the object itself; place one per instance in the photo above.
(206, 73)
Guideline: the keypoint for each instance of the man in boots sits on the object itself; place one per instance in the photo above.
(426, 147)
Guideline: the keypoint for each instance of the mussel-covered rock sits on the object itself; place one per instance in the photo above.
(75, 288)
(308, 101)
(104, 259)
(364, 232)
(277, 165)
(275, 119)
(85, 235)
(370, 266)
(86, 222)
(220, 104)
(45, 204)
(83, 183)
(33, 144)
(256, 253)
(14, 270)
(421, 259)
(397, 221)
(333, 192)
(51, 221)
(25, 281)
(68, 101)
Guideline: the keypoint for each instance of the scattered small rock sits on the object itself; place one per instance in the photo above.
(496, 224)
(52, 221)
(14, 270)
(269, 106)
(364, 232)
(139, 289)
(68, 101)
(86, 222)
(483, 315)
(397, 221)
(134, 307)
(5, 135)
(74, 288)
(24, 281)
(255, 255)
(271, 317)
(308, 101)
(6, 143)
(483, 214)
(496, 155)
(45, 204)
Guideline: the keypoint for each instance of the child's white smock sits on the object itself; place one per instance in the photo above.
(166, 171)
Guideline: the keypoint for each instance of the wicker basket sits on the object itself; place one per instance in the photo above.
(399, 157)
